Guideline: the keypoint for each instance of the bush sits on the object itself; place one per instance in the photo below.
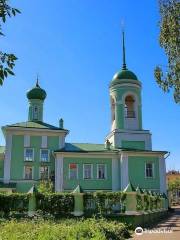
(55, 203)
(103, 202)
(64, 230)
(16, 202)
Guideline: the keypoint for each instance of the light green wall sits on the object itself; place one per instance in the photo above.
(53, 144)
(134, 144)
(17, 158)
(1, 168)
(137, 172)
(88, 184)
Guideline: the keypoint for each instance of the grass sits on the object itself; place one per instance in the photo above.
(69, 229)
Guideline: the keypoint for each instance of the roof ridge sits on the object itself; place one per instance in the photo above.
(85, 143)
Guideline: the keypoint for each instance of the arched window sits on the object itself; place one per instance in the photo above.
(129, 107)
(113, 109)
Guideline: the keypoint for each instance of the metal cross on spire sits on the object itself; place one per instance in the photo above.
(124, 52)
(37, 81)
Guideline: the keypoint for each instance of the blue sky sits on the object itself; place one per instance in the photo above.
(75, 47)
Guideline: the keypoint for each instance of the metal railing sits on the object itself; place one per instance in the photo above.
(130, 114)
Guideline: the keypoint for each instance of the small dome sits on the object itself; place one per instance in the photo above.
(36, 93)
(124, 76)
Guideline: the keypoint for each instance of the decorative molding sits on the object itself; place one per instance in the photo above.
(7, 162)
(87, 155)
(121, 85)
(34, 131)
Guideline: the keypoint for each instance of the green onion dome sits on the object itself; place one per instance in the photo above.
(36, 93)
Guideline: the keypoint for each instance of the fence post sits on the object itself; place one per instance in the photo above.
(32, 201)
(78, 202)
(131, 200)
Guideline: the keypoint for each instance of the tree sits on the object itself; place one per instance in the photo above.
(7, 60)
(169, 39)
(45, 186)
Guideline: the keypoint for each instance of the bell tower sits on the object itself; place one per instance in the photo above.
(126, 109)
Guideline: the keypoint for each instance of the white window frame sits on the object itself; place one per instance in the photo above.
(153, 173)
(76, 170)
(25, 173)
(40, 171)
(25, 154)
(42, 149)
(91, 171)
(105, 173)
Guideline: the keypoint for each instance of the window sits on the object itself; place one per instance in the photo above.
(35, 113)
(113, 109)
(73, 171)
(149, 170)
(101, 171)
(44, 172)
(87, 171)
(28, 172)
(44, 155)
(129, 107)
(28, 154)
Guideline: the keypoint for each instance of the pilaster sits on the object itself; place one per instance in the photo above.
(162, 175)
(59, 174)
(7, 162)
(124, 171)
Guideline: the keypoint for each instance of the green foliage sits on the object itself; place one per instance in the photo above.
(139, 205)
(174, 185)
(17, 202)
(104, 202)
(151, 203)
(7, 60)
(46, 186)
(65, 230)
(169, 40)
(57, 204)
(146, 202)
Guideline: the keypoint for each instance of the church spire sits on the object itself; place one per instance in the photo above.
(124, 53)
(37, 81)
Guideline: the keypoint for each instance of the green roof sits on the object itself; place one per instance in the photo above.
(35, 124)
(36, 93)
(2, 149)
(91, 147)
(83, 147)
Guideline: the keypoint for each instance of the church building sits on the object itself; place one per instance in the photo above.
(36, 150)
